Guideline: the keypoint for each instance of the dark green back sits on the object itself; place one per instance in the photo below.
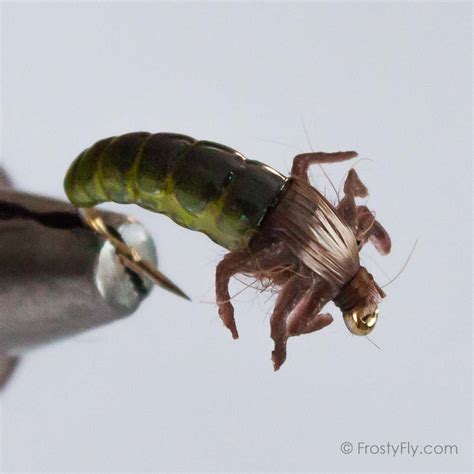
(201, 185)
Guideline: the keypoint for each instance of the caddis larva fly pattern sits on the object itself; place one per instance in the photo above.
(279, 230)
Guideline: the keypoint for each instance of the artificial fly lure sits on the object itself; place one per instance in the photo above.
(279, 230)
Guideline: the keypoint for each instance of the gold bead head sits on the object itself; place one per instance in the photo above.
(361, 322)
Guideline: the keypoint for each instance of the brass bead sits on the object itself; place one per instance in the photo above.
(360, 322)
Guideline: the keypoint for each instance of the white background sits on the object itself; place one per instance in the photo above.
(168, 389)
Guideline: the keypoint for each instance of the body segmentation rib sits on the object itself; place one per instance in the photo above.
(201, 185)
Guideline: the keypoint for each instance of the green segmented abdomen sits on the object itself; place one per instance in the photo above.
(201, 185)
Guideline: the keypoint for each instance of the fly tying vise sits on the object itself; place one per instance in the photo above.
(280, 230)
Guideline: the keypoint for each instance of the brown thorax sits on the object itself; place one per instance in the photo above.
(358, 301)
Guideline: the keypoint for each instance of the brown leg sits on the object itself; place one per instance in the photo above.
(371, 229)
(353, 186)
(347, 209)
(302, 162)
(288, 297)
(232, 263)
(306, 317)
(266, 263)
(359, 218)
